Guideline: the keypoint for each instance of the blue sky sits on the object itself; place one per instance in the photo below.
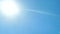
(32, 22)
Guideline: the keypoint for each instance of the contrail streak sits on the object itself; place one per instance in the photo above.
(41, 12)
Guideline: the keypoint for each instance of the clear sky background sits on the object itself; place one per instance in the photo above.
(31, 22)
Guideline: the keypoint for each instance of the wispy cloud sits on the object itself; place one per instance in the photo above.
(41, 12)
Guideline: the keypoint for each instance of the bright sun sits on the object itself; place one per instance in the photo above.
(9, 9)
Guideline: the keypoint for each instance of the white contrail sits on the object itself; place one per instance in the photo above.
(41, 12)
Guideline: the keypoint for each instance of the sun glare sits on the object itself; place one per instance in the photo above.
(9, 9)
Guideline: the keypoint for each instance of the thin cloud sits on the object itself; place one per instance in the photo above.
(41, 12)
